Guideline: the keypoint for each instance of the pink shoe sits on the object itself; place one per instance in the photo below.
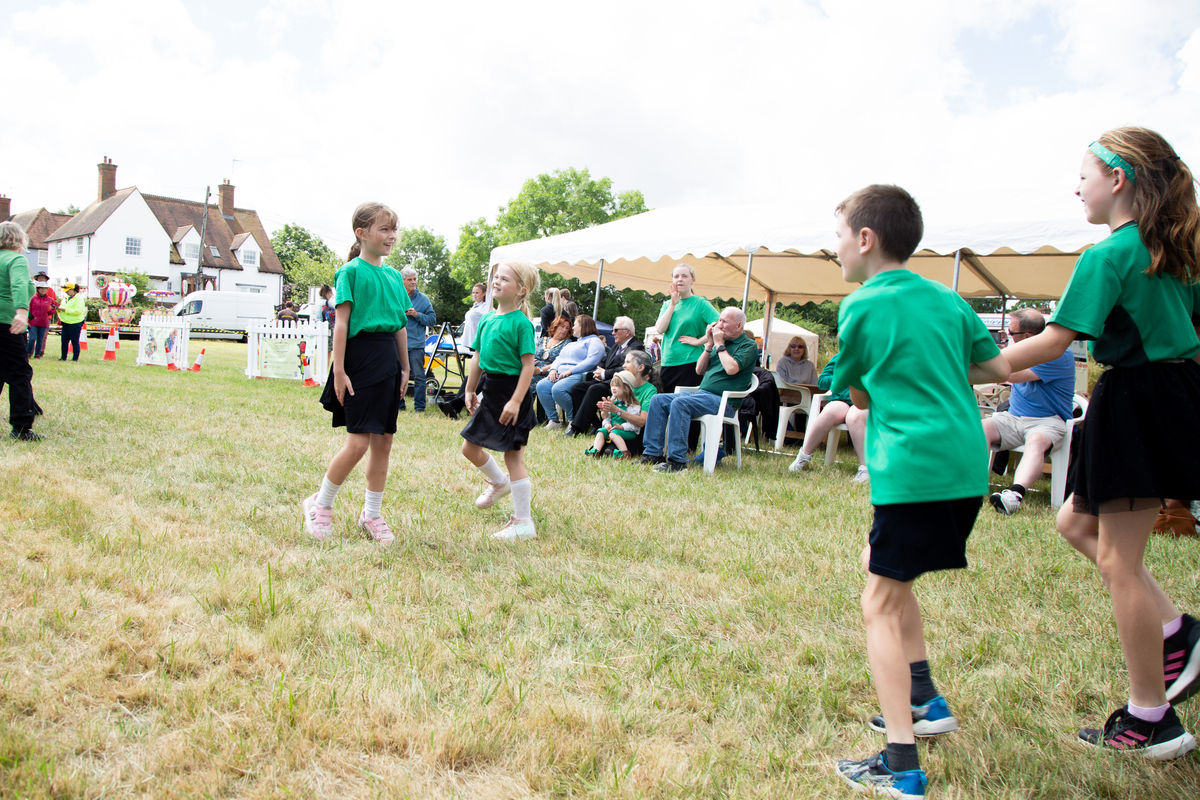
(318, 520)
(377, 529)
(493, 493)
(517, 530)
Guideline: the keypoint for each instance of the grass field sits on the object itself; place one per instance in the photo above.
(167, 629)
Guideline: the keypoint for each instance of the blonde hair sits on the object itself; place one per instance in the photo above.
(556, 301)
(528, 279)
(796, 340)
(13, 237)
(365, 216)
(618, 380)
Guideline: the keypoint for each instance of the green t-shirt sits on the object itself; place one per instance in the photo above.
(377, 296)
(15, 286)
(1132, 318)
(826, 380)
(691, 317)
(643, 395)
(907, 342)
(501, 340)
(717, 380)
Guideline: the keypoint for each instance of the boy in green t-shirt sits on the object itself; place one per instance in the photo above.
(914, 347)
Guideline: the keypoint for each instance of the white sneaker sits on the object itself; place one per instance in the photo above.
(1006, 502)
(862, 476)
(318, 520)
(492, 493)
(376, 528)
(517, 530)
(553, 425)
(801, 462)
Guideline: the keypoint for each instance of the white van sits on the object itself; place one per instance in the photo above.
(225, 314)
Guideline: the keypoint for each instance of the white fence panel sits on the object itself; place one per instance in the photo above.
(163, 341)
(284, 349)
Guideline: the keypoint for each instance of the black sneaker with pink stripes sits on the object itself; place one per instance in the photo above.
(1181, 661)
(1160, 741)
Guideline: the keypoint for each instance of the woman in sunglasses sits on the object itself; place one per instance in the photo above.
(795, 366)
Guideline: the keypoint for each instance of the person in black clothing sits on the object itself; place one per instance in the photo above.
(594, 388)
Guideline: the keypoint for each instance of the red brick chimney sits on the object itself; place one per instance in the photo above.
(225, 201)
(5, 205)
(108, 178)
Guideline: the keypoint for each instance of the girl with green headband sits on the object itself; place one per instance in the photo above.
(1136, 297)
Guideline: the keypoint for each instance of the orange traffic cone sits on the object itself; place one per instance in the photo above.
(199, 360)
(110, 347)
(171, 365)
(308, 378)
(83, 337)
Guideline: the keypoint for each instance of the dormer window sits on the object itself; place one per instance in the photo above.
(191, 250)
(250, 258)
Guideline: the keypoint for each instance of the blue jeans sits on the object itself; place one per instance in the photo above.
(549, 394)
(671, 415)
(70, 338)
(37, 340)
(416, 369)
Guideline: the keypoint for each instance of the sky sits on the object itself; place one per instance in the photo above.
(982, 110)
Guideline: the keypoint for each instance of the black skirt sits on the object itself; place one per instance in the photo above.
(373, 366)
(485, 430)
(1141, 437)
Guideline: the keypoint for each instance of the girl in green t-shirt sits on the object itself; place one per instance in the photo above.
(499, 400)
(369, 372)
(1136, 295)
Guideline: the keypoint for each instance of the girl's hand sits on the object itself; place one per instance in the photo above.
(690, 340)
(674, 294)
(606, 405)
(511, 409)
(341, 385)
(472, 402)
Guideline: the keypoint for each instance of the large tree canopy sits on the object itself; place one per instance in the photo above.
(427, 253)
(291, 241)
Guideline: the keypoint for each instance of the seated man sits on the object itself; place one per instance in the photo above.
(1039, 410)
(586, 394)
(727, 364)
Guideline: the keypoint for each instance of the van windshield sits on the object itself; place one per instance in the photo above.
(191, 307)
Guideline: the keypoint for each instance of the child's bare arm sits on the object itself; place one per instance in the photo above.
(473, 374)
(1046, 346)
(994, 370)
(860, 398)
(512, 409)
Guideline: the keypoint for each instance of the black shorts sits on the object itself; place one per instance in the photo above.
(910, 539)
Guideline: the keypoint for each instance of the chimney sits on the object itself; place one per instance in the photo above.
(225, 201)
(5, 205)
(108, 178)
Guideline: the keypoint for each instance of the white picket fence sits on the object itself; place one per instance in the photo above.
(163, 340)
(279, 349)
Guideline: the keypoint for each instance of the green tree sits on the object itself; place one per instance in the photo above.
(70, 209)
(427, 253)
(290, 242)
(308, 271)
(566, 200)
(469, 263)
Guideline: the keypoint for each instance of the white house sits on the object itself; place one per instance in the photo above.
(127, 231)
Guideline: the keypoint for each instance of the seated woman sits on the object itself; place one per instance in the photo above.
(836, 410)
(638, 365)
(795, 367)
(549, 347)
(574, 361)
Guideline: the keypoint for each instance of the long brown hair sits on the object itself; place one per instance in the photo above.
(364, 217)
(1164, 201)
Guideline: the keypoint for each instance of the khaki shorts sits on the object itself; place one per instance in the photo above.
(1015, 430)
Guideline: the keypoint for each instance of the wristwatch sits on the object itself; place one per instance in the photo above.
(720, 349)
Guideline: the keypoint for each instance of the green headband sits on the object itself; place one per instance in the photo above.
(1113, 160)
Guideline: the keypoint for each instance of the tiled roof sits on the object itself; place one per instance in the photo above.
(174, 214)
(250, 223)
(87, 221)
(179, 234)
(39, 224)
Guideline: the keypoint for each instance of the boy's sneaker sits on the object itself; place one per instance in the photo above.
(802, 459)
(517, 530)
(671, 466)
(1006, 502)
(1160, 741)
(493, 493)
(872, 776)
(1181, 661)
(318, 520)
(931, 719)
(376, 528)
(862, 476)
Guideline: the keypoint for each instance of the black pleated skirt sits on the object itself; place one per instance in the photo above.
(485, 430)
(372, 364)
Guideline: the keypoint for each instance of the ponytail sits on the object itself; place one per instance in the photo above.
(1164, 201)
(355, 249)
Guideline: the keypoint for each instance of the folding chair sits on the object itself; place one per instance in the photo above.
(1060, 456)
(713, 425)
(835, 435)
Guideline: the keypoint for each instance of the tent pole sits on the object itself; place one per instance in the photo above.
(957, 266)
(599, 277)
(768, 321)
(746, 288)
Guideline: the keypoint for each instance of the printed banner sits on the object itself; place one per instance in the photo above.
(158, 345)
(283, 358)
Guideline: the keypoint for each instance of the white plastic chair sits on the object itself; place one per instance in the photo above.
(1060, 456)
(713, 425)
(786, 411)
(835, 434)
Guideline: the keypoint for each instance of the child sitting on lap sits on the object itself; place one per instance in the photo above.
(620, 431)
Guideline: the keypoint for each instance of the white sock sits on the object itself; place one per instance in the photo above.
(372, 504)
(802, 458)
(327, 493)
(491, 470)
(1149, 714)
(522, 492)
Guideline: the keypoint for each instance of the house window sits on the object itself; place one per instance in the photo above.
(58, 249)
(250, 258)
(133, 245)
(43, 257)
(79, 246)
(216, 253)
(191, 250)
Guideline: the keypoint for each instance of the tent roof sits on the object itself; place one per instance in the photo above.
(793, 260)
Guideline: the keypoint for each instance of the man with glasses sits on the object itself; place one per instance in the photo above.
(590, 391)
(1039, 410)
